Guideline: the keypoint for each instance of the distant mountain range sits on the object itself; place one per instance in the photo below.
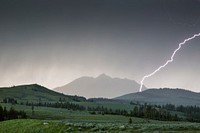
(101, 86)
(34, 92)
(163, 96)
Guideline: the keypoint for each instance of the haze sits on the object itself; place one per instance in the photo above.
(53, 42)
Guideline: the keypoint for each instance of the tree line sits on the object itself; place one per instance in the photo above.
(104, 110)
(153, 112)
(10, 100)
(65, 105)
(61, 103)
(191, 112)
(141, 111)
(157, 112)
(11, 114)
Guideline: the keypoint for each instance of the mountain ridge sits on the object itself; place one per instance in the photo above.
(164, 96)
(100, 86)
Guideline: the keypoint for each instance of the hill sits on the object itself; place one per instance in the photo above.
(164, 96)
(33, 93)
(101, 86)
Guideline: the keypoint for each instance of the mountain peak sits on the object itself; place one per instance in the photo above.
(101, 86)
(103, 75)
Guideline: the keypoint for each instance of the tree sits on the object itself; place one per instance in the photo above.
(32, 108)
(40, 102)
(147, 112)
(1, 113)
(5, 113)
(22, 114)
(130, 120)
(5, 100)
(12, 114)
(136, 111)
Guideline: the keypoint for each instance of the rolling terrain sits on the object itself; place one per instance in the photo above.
(163, 96)
(58, 119)
(33, 93)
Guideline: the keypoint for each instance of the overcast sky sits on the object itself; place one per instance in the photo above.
(53, 42)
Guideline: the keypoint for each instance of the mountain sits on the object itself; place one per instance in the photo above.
(101, 86)
(164, 96)
(34, 92)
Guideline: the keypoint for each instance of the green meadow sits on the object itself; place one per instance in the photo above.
(51, 120)
(43, 119)
(100, 125)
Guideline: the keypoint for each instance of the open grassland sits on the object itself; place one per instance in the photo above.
(58, 126)
(53, 120)
(48, 113)
(60, 113)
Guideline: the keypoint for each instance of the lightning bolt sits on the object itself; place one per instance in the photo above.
(168, 61)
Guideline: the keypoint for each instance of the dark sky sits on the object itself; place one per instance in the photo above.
(52, 42)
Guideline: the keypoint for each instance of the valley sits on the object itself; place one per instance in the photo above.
(49, 111)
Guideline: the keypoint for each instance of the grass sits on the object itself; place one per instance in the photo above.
(58, 120)
(51, 120)
(52, 126)
(60, 114)
(34, 92)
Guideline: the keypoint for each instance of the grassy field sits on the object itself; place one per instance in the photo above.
(51, 120)
(60, 120)
(58, 126)
(49, 113)
(59, 113)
